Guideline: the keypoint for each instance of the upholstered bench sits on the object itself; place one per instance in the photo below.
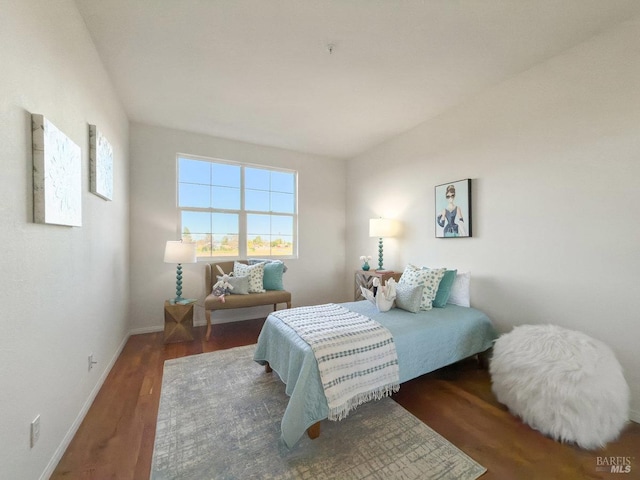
(212, 302)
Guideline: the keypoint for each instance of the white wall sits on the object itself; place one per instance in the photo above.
(63, 290)
(554, 157)
(317, 276)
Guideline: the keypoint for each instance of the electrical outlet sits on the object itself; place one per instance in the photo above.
(92, 362)
(35, 430)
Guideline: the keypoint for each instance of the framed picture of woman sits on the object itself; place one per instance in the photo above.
(453, 209)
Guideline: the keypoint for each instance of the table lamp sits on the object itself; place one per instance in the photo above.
(381, 228)
(179, 252)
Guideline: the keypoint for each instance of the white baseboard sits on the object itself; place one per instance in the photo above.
(83, 412)
(634, 416)
(153, 329)
(219, 317)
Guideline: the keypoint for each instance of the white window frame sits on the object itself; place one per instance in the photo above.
(242, 212)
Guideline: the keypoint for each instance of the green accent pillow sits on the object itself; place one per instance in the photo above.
(444, 289)
(408, 297)
(272, 279)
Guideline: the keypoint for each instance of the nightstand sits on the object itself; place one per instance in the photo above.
(178, 322)
(364, 278)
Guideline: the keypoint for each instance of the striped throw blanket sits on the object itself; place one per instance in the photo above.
(356, 356)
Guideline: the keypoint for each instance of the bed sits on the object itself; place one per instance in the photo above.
(425, 341)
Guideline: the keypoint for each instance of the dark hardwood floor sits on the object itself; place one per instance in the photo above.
(115, 440)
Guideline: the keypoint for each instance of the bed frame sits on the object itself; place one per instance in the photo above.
(426, 341)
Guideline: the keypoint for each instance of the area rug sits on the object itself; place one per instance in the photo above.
(219, 418)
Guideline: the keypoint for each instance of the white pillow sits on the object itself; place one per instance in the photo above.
(255, 273)
(460, 290)
(428, 278)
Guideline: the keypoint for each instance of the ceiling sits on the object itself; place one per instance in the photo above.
(260, 71)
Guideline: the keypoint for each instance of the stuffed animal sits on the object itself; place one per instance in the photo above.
(222, 286)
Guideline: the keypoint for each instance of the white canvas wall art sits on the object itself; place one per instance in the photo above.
(57, 175)
(101, 155)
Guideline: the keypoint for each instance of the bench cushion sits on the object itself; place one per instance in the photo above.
(270, 297)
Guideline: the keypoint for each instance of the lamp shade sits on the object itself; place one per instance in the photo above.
(180, 252)
(383, 227)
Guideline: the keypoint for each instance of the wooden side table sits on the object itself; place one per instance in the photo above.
(178, 322)
(364, 278)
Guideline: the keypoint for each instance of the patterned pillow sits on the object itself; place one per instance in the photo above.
(428, 278)
(255, 273)
(408, 297)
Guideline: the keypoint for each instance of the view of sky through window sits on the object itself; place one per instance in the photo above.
(237, 210)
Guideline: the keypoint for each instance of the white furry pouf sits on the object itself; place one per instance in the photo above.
(563, 383)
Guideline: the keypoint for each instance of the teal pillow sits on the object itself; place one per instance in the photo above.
(254, 261)
(444, 289)
(408, 297)
(272, 279)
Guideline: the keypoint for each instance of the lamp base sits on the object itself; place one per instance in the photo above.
(380, 249)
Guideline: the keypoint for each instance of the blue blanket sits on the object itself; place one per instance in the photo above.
(425, 341)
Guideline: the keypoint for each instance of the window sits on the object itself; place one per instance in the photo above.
(237, 210)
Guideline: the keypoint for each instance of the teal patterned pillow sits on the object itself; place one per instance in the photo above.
(255, 273)
(428, 278)
(408, 297)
